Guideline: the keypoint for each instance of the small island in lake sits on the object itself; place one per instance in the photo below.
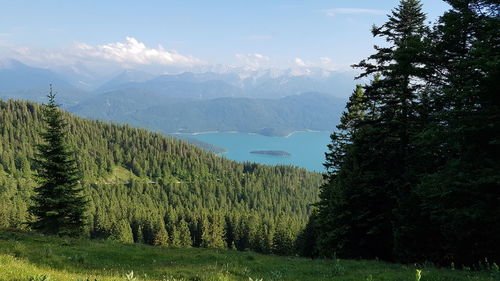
(271, 152)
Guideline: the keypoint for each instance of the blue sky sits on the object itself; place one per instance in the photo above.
(331, 34)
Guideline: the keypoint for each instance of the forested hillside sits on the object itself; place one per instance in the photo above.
(145, 187)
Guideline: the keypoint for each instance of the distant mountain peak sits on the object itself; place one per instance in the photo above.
(15, 75)
(9, 63)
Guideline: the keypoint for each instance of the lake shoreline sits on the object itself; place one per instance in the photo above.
(250, 133)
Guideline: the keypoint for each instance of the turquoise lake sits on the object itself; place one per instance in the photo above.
(307, 149)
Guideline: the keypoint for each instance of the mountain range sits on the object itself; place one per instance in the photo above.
(268, 101)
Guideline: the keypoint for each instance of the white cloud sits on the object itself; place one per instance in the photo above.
(126, 54)
(353, 11)
(253, 61)
(135, 52)
(323, 62)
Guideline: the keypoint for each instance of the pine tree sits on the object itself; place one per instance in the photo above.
(160, 237)
(59, 205)
(213, 232)
(121, 231)
(175, 239)
(369, 173)
(185, 234)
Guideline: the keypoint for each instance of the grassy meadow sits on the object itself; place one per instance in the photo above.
(25, 256)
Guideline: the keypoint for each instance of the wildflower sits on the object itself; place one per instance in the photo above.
(418, 275)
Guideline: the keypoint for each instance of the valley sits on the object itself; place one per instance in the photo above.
(250, 140)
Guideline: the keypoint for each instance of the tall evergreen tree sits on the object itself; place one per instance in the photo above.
(161, 235)
(213, 232)
(59, 205)
(185, 235)
(363, 207)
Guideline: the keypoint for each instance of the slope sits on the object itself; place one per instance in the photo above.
(34, 257)
(172, 186)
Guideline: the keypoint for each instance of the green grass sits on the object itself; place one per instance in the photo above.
(25, 256)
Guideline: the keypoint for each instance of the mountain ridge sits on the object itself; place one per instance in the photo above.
(271, 117)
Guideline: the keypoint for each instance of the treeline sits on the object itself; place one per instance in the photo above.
(414, 169)
(145, 187)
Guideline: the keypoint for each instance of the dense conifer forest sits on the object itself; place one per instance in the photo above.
(145, 187)
(414, 167)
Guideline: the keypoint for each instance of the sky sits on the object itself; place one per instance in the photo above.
(188, 35)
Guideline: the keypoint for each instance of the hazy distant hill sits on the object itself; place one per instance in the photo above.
(20, 81)
(15, 75)
(168, 88)
(127, 76)
(276, 117)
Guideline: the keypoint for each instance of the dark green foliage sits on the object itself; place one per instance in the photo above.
(413, 169)
(58, 204)
(180, 184)
(461, 193)
(305, 243)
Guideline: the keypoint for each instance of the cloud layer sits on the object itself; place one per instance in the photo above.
(126, 54)
(134, 52)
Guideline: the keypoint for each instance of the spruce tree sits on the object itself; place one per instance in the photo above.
(161, 236)
(175, 239)
(185, 234)
(121, 231)
(213, 232)
(363, 210)
(59, 205)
